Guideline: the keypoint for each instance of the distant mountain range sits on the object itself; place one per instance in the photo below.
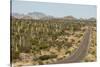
(32, 15)
(42, 16)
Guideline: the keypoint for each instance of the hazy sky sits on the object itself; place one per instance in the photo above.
(54, 9)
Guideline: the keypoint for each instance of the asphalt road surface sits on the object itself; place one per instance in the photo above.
(80, 52)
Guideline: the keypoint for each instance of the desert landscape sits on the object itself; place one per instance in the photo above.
(45, 41)
(52, 33)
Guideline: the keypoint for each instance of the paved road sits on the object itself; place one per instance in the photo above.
(81, 52)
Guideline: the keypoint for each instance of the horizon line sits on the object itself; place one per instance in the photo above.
(52, 15)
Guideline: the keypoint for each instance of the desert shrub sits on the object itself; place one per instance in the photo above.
(40, 63)
(79, 41)
(43, 47)
(79, 35)
(68, 34)
(24, 49)
(76, 27)
(53, 56)
(46, 57)
(66, 39)
(15, 55)
(72, 40)
(67, 52)
(69, 44)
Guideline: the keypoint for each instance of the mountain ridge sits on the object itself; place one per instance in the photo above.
(43, 16)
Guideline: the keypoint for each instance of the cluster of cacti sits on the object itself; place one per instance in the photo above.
(35, 36)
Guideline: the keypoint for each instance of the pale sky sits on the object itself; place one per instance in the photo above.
(54, 9)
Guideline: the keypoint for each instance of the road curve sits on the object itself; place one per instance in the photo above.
(80, 52)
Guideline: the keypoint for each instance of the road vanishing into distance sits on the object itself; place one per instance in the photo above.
(80, 52)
